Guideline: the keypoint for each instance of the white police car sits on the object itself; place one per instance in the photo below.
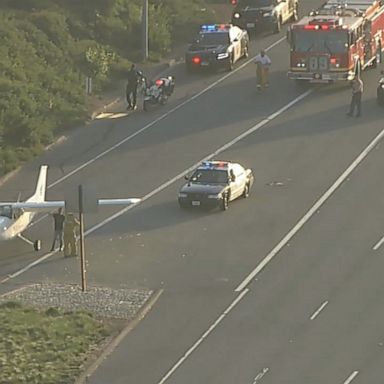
(215, 184)
(217, 46)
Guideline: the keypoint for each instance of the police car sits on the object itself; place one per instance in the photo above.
(217, 46)
(214, 184)
(264, 14)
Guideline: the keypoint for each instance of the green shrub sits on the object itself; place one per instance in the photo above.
(48, 47)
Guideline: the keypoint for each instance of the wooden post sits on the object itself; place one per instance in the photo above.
(145, 29)
(82, 248)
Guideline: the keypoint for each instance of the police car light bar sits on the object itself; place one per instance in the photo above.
(208, 28)
(214, 27)
(214, 164)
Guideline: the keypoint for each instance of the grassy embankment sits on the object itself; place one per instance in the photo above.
(46, 347)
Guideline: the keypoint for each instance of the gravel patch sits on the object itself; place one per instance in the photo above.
(100, 301)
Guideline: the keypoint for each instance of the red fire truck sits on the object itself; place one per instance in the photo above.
(337, 41)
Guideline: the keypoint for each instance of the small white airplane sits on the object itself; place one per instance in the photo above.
(15, 217)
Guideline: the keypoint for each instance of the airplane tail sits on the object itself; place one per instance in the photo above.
(41, 186)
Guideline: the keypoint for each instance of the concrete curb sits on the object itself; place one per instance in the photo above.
(83, 378)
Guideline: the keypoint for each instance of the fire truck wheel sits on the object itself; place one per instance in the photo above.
(374, 62)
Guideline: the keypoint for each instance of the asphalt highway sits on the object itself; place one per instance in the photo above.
(284, 287)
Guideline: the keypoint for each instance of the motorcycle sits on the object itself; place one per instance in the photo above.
(158, 92)
(380, 90)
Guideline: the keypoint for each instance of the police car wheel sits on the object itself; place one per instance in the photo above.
(230, 64)
(224, 202)
(277, 26)
(246, 191)
(246, 52)
(37, 245)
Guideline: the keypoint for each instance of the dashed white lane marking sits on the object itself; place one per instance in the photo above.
(204, 336)
(351, 377)
(311, 212)
(317, 312)
(260, 375)
(378, 244)
(162, 117)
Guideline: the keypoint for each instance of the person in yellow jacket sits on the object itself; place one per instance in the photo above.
(71, 226)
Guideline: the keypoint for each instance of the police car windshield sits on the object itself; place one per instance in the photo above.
(256, 3)
(210, 176)
(213, 38)
(320, 41)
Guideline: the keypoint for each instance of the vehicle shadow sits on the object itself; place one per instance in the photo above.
(153, 216)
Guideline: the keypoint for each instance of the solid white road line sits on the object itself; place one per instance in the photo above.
(311, 212)
(28, 267)
(351, 377)
(378, 244)
(194, 166)
(130, 137)
(162, 117)
(204, 336)
(174, 179)
(316, 313)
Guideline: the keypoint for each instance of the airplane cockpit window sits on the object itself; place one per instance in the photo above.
(17, 213)
(6, 211)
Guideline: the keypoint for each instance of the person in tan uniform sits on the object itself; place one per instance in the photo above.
(71, 226)
(263, 62)
(357, 91)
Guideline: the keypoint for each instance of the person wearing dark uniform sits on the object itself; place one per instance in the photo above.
(58, 219)
(357, 91)
(71, 226)
(134, 77)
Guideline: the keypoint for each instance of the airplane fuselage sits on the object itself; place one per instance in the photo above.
(12, 227)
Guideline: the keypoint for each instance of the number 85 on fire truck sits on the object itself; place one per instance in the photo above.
(337, 41)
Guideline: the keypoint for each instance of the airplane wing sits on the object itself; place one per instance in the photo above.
(133, 200)
(44, 206)
(34, 206)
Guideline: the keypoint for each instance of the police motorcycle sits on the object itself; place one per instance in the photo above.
(158, 92)
(380, 90)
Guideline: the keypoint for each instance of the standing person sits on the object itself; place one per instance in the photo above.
(357, 91)
(71, 226)
(134, 77)
(58, 219)
(263, 63)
